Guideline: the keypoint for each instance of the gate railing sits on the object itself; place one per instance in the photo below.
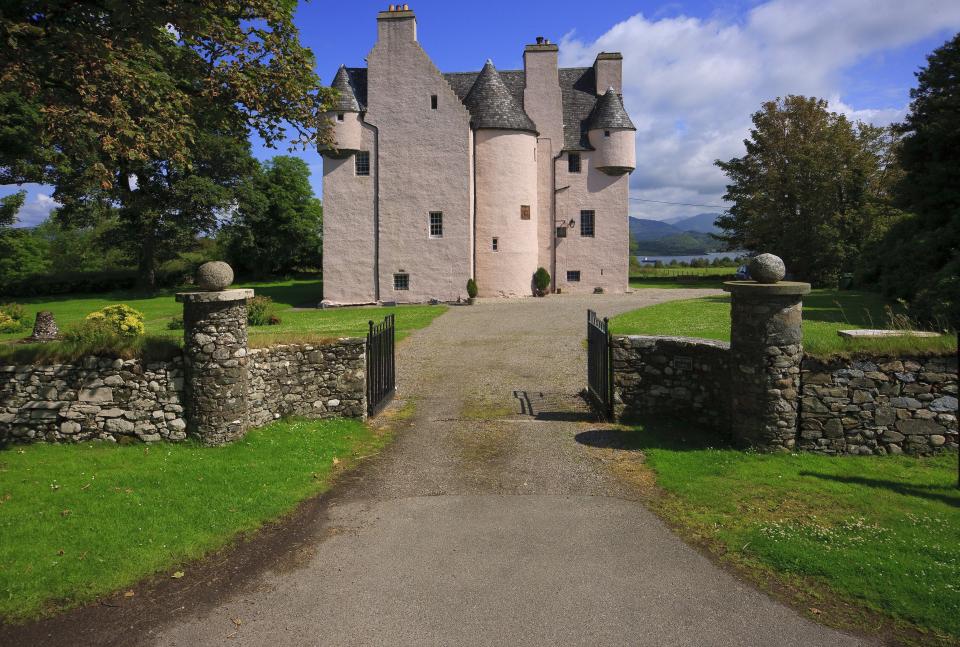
(599, 364)
(381, 365)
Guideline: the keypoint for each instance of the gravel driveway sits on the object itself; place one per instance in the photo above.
(486, 523)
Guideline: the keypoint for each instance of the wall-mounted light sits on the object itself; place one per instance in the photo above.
(573, 223)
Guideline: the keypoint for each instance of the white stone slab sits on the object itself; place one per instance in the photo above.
(871, 333)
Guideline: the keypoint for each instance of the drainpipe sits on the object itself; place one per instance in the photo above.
(553, 223)
(376, 213)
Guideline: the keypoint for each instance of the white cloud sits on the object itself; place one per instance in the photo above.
(691, 84)
(35, 210)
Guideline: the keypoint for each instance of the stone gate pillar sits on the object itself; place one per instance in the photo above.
(215, 356)
(766, 349)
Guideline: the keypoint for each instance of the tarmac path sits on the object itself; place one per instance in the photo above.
(487, 523)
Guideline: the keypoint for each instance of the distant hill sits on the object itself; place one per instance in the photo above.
(680, 244)
(702, 222)
(642, 229)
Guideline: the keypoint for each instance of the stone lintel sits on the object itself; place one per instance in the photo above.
(760, 290)
(214, 297)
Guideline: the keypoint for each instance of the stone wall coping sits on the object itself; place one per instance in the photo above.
(693, 341)
(754, 289)
(339, 341)
(214, 297)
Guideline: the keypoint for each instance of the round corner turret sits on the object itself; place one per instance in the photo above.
(611, 133)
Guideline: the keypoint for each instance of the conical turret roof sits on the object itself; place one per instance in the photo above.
(347, 101)
(608, 112)
(491, 105)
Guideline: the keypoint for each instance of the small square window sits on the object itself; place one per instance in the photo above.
(573, 162)
(573, 276)
(606, 133)
(561, 232)
(362, 163)
(524, 212)
(401, 281)
(436, 224)
(433, 102)
(340, 116)
(587, 223)
(496, 244)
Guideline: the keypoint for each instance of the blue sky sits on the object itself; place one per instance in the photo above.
(693, 71)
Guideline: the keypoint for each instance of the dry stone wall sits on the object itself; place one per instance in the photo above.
(97, 399)
(319, 381)
(677, 376)
(879, 406)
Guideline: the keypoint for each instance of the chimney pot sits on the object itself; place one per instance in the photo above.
(390, 8)
(539, 40)
(406, 7)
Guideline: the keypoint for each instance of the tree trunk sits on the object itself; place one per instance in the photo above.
(147, 271)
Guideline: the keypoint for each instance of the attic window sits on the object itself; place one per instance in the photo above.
(339, 116)
(573, 162)
(433, 102)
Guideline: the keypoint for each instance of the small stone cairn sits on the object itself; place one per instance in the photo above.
(44, 328)
(766, 349)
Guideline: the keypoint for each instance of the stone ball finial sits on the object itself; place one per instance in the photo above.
(767, 268)
(214, 276)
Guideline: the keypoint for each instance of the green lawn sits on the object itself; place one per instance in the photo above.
(824, 313)
(298, 323)
(82, 521)
(881, 531)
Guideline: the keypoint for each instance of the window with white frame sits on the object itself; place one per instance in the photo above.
(587, 218)
(436, 224)
(362, 163)
(401, 281)
(573, 276)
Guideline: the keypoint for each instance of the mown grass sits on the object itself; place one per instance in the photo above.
(299, 324)
(824, 313)
(880, 531)
(82, 521)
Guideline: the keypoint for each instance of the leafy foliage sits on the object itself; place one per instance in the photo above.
(919, 259)
(13, 318)
(120, 319)
(541, 279)
(809, 188)
(278, 223)
(260, 311)
(471, 288)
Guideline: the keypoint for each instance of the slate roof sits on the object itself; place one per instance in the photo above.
(609, 113)
(491, 104)
(577, 89)
(354, 80)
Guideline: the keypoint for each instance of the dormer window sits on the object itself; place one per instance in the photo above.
(433, 102)
(340, 116)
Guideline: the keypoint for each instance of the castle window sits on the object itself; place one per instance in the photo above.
(436, 224)
(401, 281)
(606, 133)
(362, 163)
(561, 232)
(586, 223)
(573, 276)
(339, 116)
(433, 102)
(573, 162)
(496, 244)
(524, 212)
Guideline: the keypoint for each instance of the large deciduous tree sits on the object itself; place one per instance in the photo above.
(809, 189)
(278, 224)
(93, 94)
(919, 260)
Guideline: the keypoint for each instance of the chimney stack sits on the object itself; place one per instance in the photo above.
(397, 24)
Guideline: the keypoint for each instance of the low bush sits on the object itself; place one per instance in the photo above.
(541, 279)
(176, 323)
(13, 318)
(260, 311)
(120, 318)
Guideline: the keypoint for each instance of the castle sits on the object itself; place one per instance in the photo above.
(437, 178)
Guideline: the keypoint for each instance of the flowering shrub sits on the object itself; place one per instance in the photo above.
(13, 318)
(120, 318)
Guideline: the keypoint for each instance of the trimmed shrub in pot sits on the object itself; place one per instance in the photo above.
(541, 281)
(471, 289)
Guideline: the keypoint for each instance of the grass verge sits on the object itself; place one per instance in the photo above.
(878, 533)
(82, 521)
(824, 313)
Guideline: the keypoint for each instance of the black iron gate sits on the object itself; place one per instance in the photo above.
(599, 366)
(381, 365)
